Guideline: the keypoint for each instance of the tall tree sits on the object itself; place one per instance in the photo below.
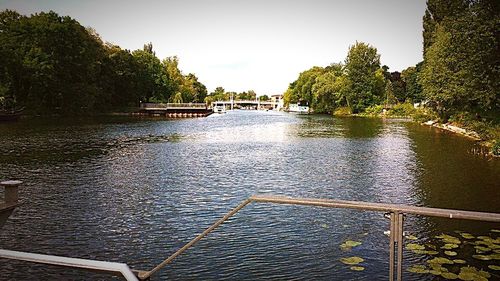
(365, 76)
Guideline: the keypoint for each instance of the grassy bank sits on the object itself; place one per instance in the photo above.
(485, 130)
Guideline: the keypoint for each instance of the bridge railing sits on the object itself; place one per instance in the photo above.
(154, 105)
(396, 214)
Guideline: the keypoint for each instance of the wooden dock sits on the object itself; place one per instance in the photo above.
(10, 200)
(175, 110)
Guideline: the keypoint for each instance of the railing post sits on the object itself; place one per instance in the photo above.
(11, 191)
(392, 235)
(400, 247)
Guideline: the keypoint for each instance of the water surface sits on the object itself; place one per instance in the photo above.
(135, 190)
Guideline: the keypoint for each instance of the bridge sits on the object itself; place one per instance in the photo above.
(252, 103)
(175, 110)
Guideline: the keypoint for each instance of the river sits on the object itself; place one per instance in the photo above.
(134, 190)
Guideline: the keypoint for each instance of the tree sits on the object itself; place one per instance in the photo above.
(460, 71)
(154, 82)
(410, 76)
(264, 98)
(366, 78)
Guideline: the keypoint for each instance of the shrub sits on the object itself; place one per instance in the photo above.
(342, 111)
(374, 110)
(496, 148)
(402, 109)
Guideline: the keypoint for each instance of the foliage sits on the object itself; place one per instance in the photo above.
(342, 111)
(374, 110)
(496, 148)
(413, 87)
(402, 110)
(460, 70)
(51, 64)
(366, 78)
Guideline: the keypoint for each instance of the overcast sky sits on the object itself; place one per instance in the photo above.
(254, 44)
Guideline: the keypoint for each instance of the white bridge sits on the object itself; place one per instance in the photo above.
(252, 103)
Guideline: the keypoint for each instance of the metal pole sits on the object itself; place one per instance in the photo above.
(391, 246)
(400, 247)
(147, 274)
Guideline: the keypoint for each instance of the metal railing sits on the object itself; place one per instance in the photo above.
(152, 105)
(396, 214)
(114, 268)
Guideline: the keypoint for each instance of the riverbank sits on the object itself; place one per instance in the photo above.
(486, 134)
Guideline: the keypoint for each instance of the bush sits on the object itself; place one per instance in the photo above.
(374, 110)
(342, 111)
(402, 110)
(496, 148)
(423, 115)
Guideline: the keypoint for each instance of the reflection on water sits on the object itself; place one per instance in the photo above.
(135, 190)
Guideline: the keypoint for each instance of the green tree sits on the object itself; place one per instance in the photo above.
(366, 78)
(410, 76)
(460, 71)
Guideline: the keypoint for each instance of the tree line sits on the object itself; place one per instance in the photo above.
(52, 64)
(458, 77)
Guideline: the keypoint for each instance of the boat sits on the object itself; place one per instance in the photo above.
(219, 109)
(301, 107)
(10, 115)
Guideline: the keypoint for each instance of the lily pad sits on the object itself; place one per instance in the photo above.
(467, 235)
(357, 268)
(494, 267)
(459, 261)
(495, 230)
(482, 257)
(425, 252)
(414, 246)
(450, 253)
(418, 269)
(411, 237)
(471, 273)
(351, 260)
(481, 249)
(449, 275)
(350, 243)
(439, 260)
(449, 246)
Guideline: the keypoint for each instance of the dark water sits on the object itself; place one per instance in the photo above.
(135, 190)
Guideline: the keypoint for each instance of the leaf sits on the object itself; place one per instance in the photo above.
(449, 246)
(494, 267)
(414, 246)
(350, 243)
(482, 257)
(418, 269)
(351, 260)
(450, 253)
(357, 268)
(467, 235)
(449, 275)
(439, 260)
(411, 237)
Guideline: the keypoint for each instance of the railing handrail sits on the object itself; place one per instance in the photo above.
(153, 105)
(397, 212)
(381, 207)
(100, 266)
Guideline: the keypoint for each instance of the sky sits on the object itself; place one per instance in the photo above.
(259, 45)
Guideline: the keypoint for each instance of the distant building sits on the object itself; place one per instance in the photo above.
(278, 99)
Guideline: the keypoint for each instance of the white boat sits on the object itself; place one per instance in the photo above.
(219, 109)
(302, 108)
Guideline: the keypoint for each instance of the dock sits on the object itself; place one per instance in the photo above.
(10, 200)
(174, 110)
